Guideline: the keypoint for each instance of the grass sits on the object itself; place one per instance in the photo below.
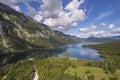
(81, 71)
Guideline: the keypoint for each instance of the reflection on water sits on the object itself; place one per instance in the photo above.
(36, 53)
(70, 51)
(79, 52)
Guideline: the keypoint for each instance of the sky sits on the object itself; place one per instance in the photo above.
(82, 18)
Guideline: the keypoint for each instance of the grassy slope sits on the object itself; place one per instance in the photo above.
(79, 68)
(81, 72)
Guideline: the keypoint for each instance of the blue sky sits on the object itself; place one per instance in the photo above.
(82, 18)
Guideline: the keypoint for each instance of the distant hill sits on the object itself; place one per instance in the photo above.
(115, 37)
(19, 32)
(95, 39)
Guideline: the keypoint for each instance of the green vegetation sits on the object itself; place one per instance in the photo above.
(83, 72)
(55, 69)
(111, 52)
(20, 71)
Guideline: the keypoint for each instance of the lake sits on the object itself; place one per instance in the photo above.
(74, 51)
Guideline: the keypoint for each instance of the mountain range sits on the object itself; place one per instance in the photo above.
(102, 39)
(19, 32)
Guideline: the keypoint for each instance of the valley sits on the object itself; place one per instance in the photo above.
(30, 50)
(66, 68)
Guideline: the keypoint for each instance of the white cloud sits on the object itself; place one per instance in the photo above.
(91, 32)
(74, 24)
(17, 8)
(103, 24)
(111, 26)
(73, 5)
(31, 11)
(61, 18)
(75, 13)
(92, 26)
(51, 8)
(37, 17)
(104, 14)
(116, 31)
(87, 29)
(95, 34)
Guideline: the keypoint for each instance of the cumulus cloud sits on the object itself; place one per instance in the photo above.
(75, 4)
(61, 18)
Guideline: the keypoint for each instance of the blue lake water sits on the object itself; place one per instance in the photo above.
(78, 52)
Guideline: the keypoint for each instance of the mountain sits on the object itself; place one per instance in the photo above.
(19, 33)
(95, 39)
(115, 37)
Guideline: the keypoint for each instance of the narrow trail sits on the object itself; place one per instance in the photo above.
(36, 76)
(37, 73)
